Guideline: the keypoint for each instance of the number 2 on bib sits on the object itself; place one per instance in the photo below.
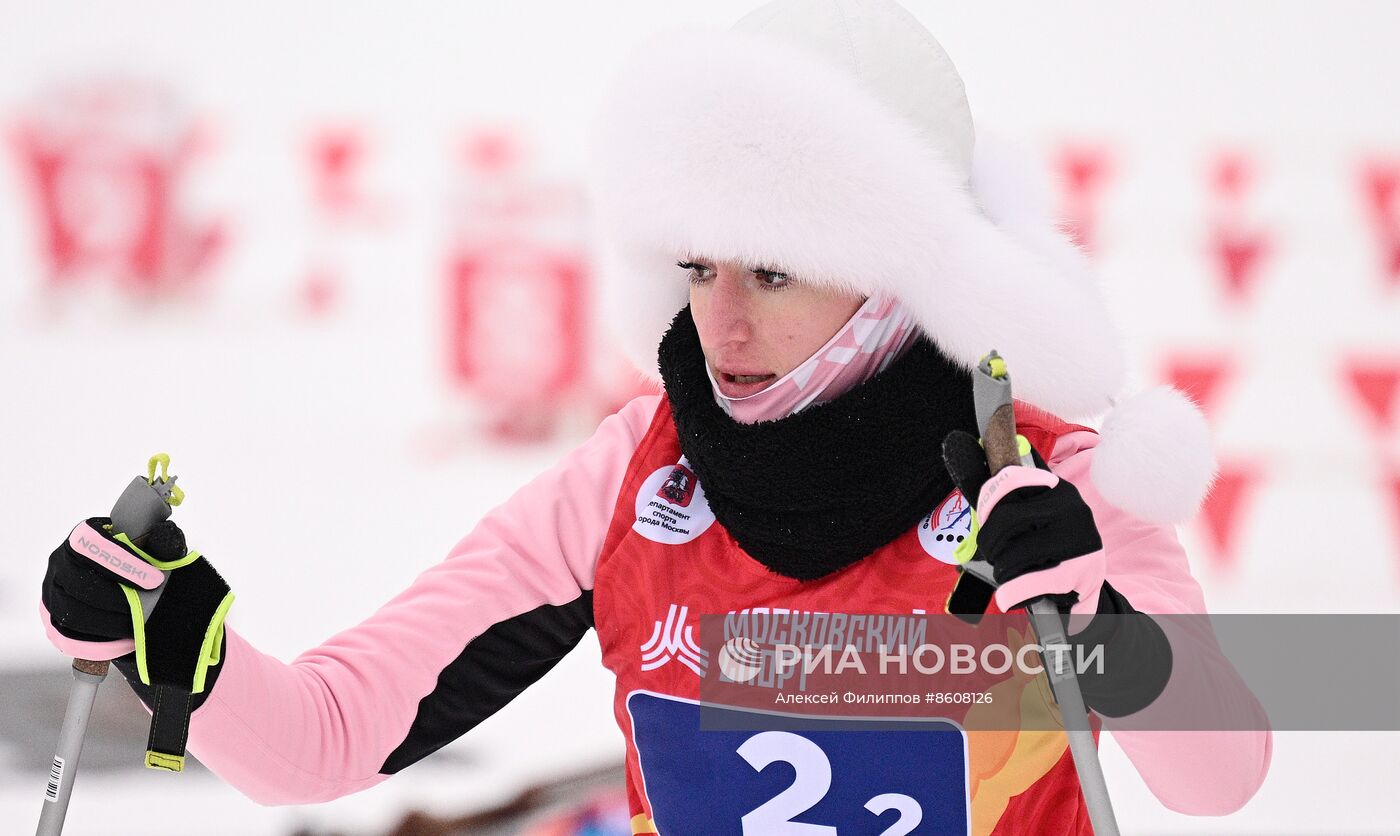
(813, 769)
(723, 771)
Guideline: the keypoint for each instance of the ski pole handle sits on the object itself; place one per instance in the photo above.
(145, 503)
(996, 419)
(999, 440)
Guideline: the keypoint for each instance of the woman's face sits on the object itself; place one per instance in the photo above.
(756, 324)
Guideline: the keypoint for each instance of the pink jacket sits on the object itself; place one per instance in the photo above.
(421, 671)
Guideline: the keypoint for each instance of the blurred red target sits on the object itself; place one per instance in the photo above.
(515, 333)
(106, 162)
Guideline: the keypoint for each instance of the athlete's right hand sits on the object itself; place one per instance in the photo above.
(103, 597)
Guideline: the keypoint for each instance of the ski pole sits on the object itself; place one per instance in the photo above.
(996, 421)
(145, 502)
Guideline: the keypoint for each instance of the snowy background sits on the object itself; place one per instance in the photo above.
(262, 236)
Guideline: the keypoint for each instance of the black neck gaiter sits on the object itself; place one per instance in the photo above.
(816, 491)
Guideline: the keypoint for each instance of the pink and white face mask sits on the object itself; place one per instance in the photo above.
(874, 336)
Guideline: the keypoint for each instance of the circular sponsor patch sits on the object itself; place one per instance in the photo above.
(945, 527)
(671, 506)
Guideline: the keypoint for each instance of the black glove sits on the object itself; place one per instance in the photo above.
(156, 608)
(1033, 529)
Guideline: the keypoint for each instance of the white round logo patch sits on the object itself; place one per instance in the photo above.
(671, 506)
(945, 527)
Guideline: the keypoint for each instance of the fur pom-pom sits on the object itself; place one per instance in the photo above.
(1155, 459)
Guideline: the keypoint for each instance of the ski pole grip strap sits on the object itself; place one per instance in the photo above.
(183, 632)
(170, 728)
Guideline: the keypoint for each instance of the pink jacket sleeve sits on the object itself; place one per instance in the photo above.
(471, 632)
(1196, 772)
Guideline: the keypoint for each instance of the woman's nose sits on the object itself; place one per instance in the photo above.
(729, 310)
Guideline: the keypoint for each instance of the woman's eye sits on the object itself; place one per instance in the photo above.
(698, 272)
(771, 280)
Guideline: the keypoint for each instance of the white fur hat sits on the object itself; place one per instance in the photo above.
(833, 140)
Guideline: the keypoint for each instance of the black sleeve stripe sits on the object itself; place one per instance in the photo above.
(493, 668)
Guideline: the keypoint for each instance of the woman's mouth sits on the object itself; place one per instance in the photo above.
(742, 385)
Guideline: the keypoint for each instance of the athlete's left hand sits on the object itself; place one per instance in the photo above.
(1032, 527)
